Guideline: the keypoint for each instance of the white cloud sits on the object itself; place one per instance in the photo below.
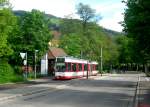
(111, 14)
(109, 10)
(113, 22)
(109, 6)
(59, 8)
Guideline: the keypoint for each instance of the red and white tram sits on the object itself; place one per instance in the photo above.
(69, 68)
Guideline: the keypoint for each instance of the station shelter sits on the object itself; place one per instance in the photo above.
(49, 59)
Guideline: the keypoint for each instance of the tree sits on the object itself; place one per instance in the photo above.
(71, 44)
(33, 34)
(7, 23)
(124, 50)
(91, 44)
(69, 26)
(136, 24)
(3, 3)
(86, 14)
(87, 37)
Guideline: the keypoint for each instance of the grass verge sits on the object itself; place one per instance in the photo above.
(7, 74)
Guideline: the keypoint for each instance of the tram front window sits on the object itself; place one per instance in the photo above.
(60, 67)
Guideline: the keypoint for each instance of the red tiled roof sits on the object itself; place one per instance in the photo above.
(56, 52)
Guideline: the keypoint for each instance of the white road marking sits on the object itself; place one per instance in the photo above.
(61, 86)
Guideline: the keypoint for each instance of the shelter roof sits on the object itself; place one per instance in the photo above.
(56, 52)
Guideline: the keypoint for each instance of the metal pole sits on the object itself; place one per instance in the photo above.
(87, 75)
(101, 59)
(26, 66)
(35, 66)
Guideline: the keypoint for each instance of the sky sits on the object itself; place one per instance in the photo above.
(110, 10)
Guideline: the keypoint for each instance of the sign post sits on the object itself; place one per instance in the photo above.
(24, 57)
(87, 74)
(101, 61)
(35, 64)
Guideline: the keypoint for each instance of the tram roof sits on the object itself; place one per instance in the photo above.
(77, 60)
(93, 62)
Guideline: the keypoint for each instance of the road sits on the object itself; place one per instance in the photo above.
(116, 90)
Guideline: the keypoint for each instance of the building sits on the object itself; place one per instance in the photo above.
(48, 60)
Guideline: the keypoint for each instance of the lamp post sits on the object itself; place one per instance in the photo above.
(26, 66)
(87, 74)
(101, 60)
(35, 64)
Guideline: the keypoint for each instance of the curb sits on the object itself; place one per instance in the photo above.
(136, 97)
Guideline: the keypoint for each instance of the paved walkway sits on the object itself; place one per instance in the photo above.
(144, 92)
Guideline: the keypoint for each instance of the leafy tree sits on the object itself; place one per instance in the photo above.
(91, 43)
(33, 34)
(3, 3)
(86, 14)
(70, 26)
(71, 36)
(7, 23)
(136, 23)
(71, 44)
(124, 49)
(87, 37)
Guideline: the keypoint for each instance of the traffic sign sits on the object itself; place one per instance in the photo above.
(25, 62)
(22, 55)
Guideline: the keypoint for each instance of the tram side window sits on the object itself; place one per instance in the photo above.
(74, 67)
(80, 67)
(96, 67)
(85, 67)
(69, 66)
(61, 67)
(93, 67)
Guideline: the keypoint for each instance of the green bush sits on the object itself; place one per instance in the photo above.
(31, 75)
(17, 78)
(7, 74)
(18, 70)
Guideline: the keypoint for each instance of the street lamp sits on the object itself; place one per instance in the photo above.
(35, 64)
(87, 74)
(101, 61)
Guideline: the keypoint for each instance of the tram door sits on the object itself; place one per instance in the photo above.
(90, 69)
(51, 65)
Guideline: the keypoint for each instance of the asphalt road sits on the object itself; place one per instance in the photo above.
(110, 91)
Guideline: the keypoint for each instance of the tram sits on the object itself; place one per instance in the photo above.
(70, 68)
